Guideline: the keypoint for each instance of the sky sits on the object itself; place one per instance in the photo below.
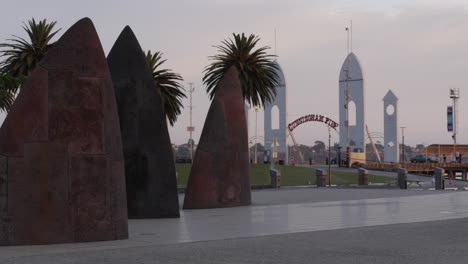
(418, 49)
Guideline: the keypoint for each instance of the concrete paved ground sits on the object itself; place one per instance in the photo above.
(416, 243)
(294, 225)
(296, 195)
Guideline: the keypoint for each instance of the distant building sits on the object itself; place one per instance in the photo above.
(447, 149)
(182, 153)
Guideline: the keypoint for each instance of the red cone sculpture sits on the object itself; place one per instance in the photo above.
(220, 172)
(61, 166)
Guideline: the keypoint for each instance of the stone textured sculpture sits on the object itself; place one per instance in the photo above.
(61, 165)
(149, 164)
(220, 173)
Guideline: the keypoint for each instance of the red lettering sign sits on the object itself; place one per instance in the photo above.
(310, 118)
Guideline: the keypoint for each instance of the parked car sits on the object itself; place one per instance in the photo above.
(343, 161)
(423, 159)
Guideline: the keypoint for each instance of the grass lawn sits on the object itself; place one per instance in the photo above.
(290, 175)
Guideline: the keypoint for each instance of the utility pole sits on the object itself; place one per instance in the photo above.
(191, 128)
(455, 95)
(347, 46)
(329, 156)
(349, 32)
(275, 43)
(403, 144)
(256, 116)
(275, 153)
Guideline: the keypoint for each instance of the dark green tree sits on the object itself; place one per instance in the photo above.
(257, 70)
(260, 148)
(8, 88)
(20, 55)
(420, 147)
(319, 146)
(169, 86)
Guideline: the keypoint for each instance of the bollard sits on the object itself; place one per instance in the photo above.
(363, 178)
(439, 178)
(402, 178)
(321, 178)
(275, 178)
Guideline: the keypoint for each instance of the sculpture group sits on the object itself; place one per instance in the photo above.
(86, 146)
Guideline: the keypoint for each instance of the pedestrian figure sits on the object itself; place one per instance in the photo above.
(444, 158)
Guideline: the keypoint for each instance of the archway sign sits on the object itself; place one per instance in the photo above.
(312, 118)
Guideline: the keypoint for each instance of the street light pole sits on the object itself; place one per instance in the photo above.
(256, 116)
(346, 92)
(403, 144)
(454, 95)
(426, 152)
(191, 128)
(329, 157)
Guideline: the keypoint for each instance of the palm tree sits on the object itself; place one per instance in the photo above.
(21, 55)
(258, 71)
(168, 84)
(8, 87)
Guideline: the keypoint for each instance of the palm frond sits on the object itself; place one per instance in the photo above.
(169, 86)
(21, 55)
(258, 72)
(8, 87)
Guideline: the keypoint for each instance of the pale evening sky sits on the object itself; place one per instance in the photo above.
(416, 48)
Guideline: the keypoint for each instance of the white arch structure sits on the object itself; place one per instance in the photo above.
(271, 133)
(351, 88)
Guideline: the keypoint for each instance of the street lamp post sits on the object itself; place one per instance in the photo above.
(329, 156)
(403, 144)
(256, 116)
(191, 128)
(426, 152)
(252, 139)
(455, 95)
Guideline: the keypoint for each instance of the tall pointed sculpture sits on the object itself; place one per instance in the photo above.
(61, 166)
(149, 164)
(391, 145)
(220, 172)
(352, 96)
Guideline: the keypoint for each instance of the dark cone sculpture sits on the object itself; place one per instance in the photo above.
(220, 172)
(149, 164)
(61, 161)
